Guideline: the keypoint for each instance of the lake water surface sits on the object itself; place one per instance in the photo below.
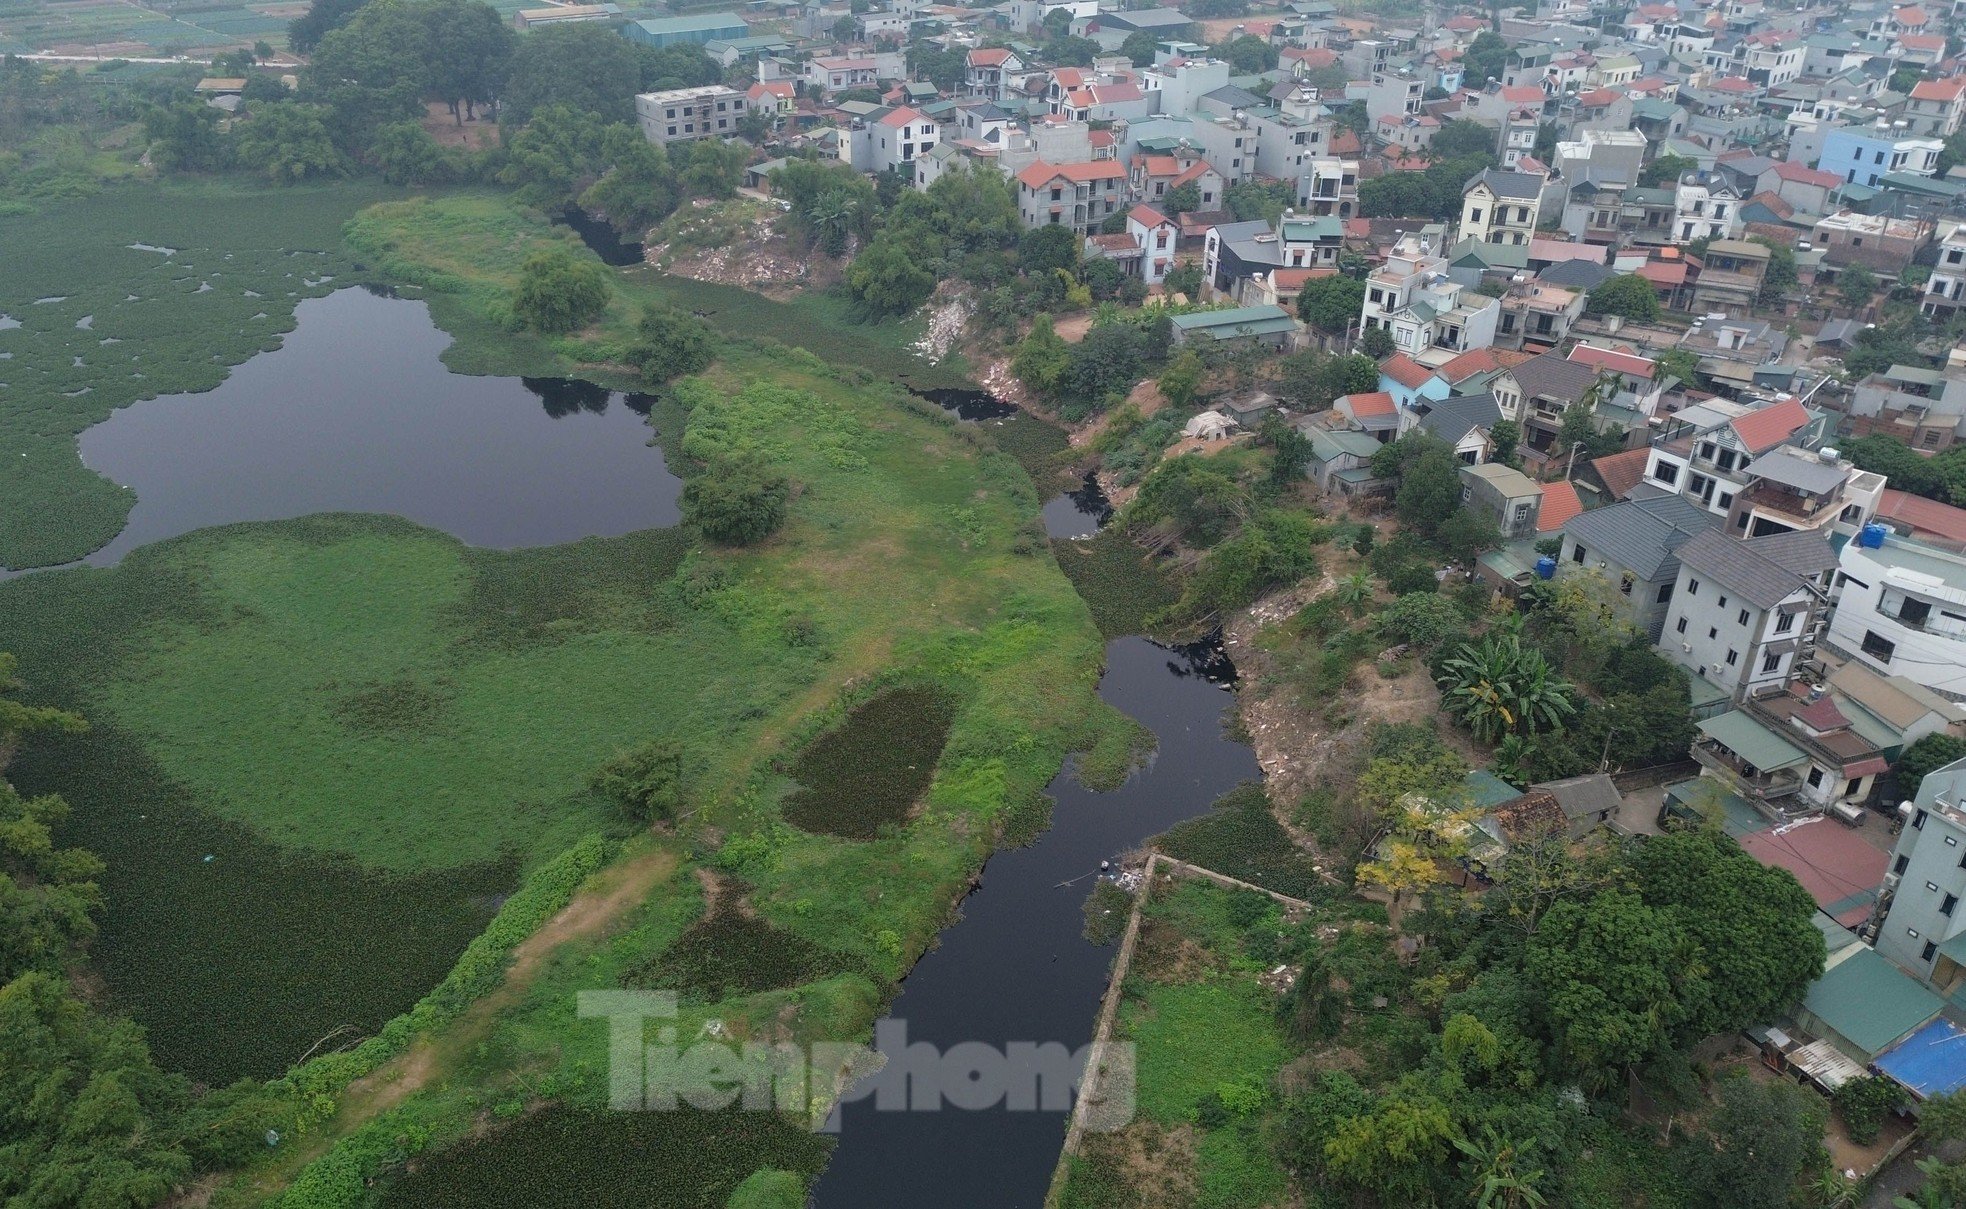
(356, 413)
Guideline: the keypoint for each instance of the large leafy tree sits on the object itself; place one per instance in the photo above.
(1921, 758)
(586, 66)
(289, 142)
(1626, 294)
(1429, 489)
(1331, 304)
(1460, 138)
(373, 70)
(559, 291)
(1609, 972)
(1487, 55)
(1762, 1142)
(305, 32)
(470, 48)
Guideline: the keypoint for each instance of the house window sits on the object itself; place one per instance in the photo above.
(1474, 215)
(1681, 627)
(1741, 617)
(1733, 657)
(1880, 649)
(1665, 472)
(1925, 954)
(1692, 587)
(1785, 622)
(1902, 861)
(1770, 662)
(1815, 777)
(1665, 594)
(1947, 904)
(1721, 603)
(1918, 821)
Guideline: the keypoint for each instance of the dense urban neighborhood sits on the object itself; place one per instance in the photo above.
(1391, 575)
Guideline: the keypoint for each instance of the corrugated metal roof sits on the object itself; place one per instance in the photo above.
(1930, 1062)
(1869, 1001)
(1751, 741)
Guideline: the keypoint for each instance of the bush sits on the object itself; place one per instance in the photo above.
(736, 501)
(1424, 619)
(646, 783)
(560, 292)
(1863, 1103)
(672, 344)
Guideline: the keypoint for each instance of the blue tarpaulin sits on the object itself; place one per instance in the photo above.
(1931, 1062)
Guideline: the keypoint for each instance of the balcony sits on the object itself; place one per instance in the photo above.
(1743, 778)
(1770, 498)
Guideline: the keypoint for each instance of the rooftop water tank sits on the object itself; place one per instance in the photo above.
(1872, 536)
(1546, 567)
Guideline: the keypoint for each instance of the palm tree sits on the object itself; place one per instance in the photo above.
(1497, 1183)
(1355, 590)
(1501, 687)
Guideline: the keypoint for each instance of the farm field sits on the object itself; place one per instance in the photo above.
(112, 29)
(325, 751)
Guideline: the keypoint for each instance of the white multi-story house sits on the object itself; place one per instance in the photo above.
(1922, 919)
(1329, 187)
(1432, 318)
(1501, 207)
(1901, 609)
(1705, 207)
(1705, 450)
(990, 71)
(1945, 290)
(1738, 611)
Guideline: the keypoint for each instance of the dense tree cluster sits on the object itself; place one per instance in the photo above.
(86, 1118)
(1434, 193)
(1941, 476)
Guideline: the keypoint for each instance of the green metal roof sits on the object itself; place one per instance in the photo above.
(1237, 321)
(1653, 109)
(1313, 228)
(1868, 1001)
(1357, 474)
(1751, 741)
(1487, 791)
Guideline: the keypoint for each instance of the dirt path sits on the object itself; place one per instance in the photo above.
(607, 897)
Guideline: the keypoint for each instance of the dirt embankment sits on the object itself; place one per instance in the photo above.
(737, 242)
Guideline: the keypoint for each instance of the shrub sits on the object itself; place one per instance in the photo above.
(736, 501)
(645, 783)
(560, 292)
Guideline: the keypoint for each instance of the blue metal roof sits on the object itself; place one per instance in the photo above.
(1930, 1062)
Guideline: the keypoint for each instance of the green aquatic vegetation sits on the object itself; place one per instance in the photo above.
(131, 294)
(731, 952)
(1122, 584)
(1242, 838)
(870, 772)
(685, 1159)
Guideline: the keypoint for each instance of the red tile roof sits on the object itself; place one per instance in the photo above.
(1610, 358)
(1560, 503)
(1556, 250)
(989, 57)
(1040, 173)
(1345, 142)
(1621, 472)
(1372, 403)
(1923, 515)
(1922, 41)
(1598, 96)
(1938, 90)
(1659, 272)
(1821, 714)
(1405, 371)
(1294, 279)
(1480, 361)
(1147, 216)
(1769, 427)
(1804, 174)
(1524, 94)
(1731, 84)
(903, 116)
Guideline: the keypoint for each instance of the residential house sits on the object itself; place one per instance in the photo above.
(1861, 156)
(1921, 920)
(1935, 106)
(1501, 207)
(1924, 408)
(991, 72)
(1235, 252)
(1155, 235)
(1466, 424)
(1807, 190)
(1536, 394)
(1705, 208)
(1080, 196)
(682, 115)
(1371, 412)
(1341, 459)
(1876, 241)
(1538, 313)
(1330, 188)
(1705, 450)
(1637, 381)
(1432, 318)
(837, 73)
(1634, 545)
(1504, 495)
(1738, 610)
(1945, 290)
(1803, 489)
(1413, 386)
(1731, 275)
(896, 139)
(1901, 610)
(1153, 176)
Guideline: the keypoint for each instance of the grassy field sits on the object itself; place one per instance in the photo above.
(89, 323)
(1209, 1049)
(195, 28)
(326, 748)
